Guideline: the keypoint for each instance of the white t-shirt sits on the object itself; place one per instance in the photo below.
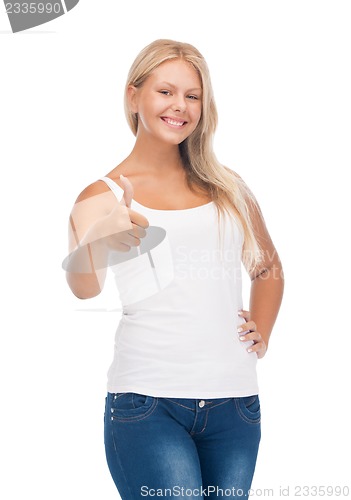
(181, 293)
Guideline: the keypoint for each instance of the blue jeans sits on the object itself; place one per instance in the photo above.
(187, 448)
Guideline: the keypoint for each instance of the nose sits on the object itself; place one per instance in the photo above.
(179, 104)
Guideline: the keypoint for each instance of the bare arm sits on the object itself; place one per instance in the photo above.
(98, 224)
(84, 276)
(267, 286)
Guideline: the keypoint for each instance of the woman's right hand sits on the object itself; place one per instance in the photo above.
(119, 239)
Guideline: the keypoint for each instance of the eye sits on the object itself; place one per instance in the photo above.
(193, 97)
(165, 92)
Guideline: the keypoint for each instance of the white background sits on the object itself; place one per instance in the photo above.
(281, 75)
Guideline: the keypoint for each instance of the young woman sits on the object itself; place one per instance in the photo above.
(182, 415)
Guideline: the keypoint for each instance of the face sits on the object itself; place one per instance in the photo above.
(168, 103)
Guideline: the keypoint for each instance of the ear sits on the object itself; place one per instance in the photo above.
(132, 98)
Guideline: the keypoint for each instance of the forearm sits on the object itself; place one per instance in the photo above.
(87, 258)
(265, 300)
(86, 265)
(86, 270)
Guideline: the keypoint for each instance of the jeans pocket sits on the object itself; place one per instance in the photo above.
(249, 408)
(131, 406)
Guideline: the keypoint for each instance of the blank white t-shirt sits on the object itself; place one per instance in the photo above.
(181, 294)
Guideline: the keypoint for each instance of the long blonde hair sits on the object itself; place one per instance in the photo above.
(228, 191)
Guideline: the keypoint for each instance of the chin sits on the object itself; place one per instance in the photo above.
(176, 139)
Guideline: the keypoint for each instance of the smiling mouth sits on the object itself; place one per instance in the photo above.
(173, 123)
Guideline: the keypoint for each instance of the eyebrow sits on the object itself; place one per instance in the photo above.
(173, 86)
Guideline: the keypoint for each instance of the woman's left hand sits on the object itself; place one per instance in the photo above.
(259, 346)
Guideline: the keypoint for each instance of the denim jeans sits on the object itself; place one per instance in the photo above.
(181, 448)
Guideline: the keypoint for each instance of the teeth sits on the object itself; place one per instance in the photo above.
(173, 122)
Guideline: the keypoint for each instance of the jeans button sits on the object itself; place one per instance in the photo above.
(202, 403)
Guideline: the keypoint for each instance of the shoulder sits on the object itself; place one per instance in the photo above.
(94, 189)
(250, 200)
(242, 186)
(239, 181)
(95, 201)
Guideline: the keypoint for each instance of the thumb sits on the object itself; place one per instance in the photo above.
(128, 191)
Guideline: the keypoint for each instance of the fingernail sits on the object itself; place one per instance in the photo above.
(240, 313)
(249, 350)
(242, 338)
(240, 329)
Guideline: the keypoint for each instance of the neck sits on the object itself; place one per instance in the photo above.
(160, 159)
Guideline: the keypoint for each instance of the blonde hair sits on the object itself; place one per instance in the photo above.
(228, 191)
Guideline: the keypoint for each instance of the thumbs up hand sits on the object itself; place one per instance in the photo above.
(98, 227)
(123, 240)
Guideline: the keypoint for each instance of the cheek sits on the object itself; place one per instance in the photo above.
(196, 116)
(145, 116)
(150, 109)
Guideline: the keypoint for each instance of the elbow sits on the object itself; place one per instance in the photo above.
(83, 295)
(83, 288)
(278, 273)
(278, 279)
(272, 271)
